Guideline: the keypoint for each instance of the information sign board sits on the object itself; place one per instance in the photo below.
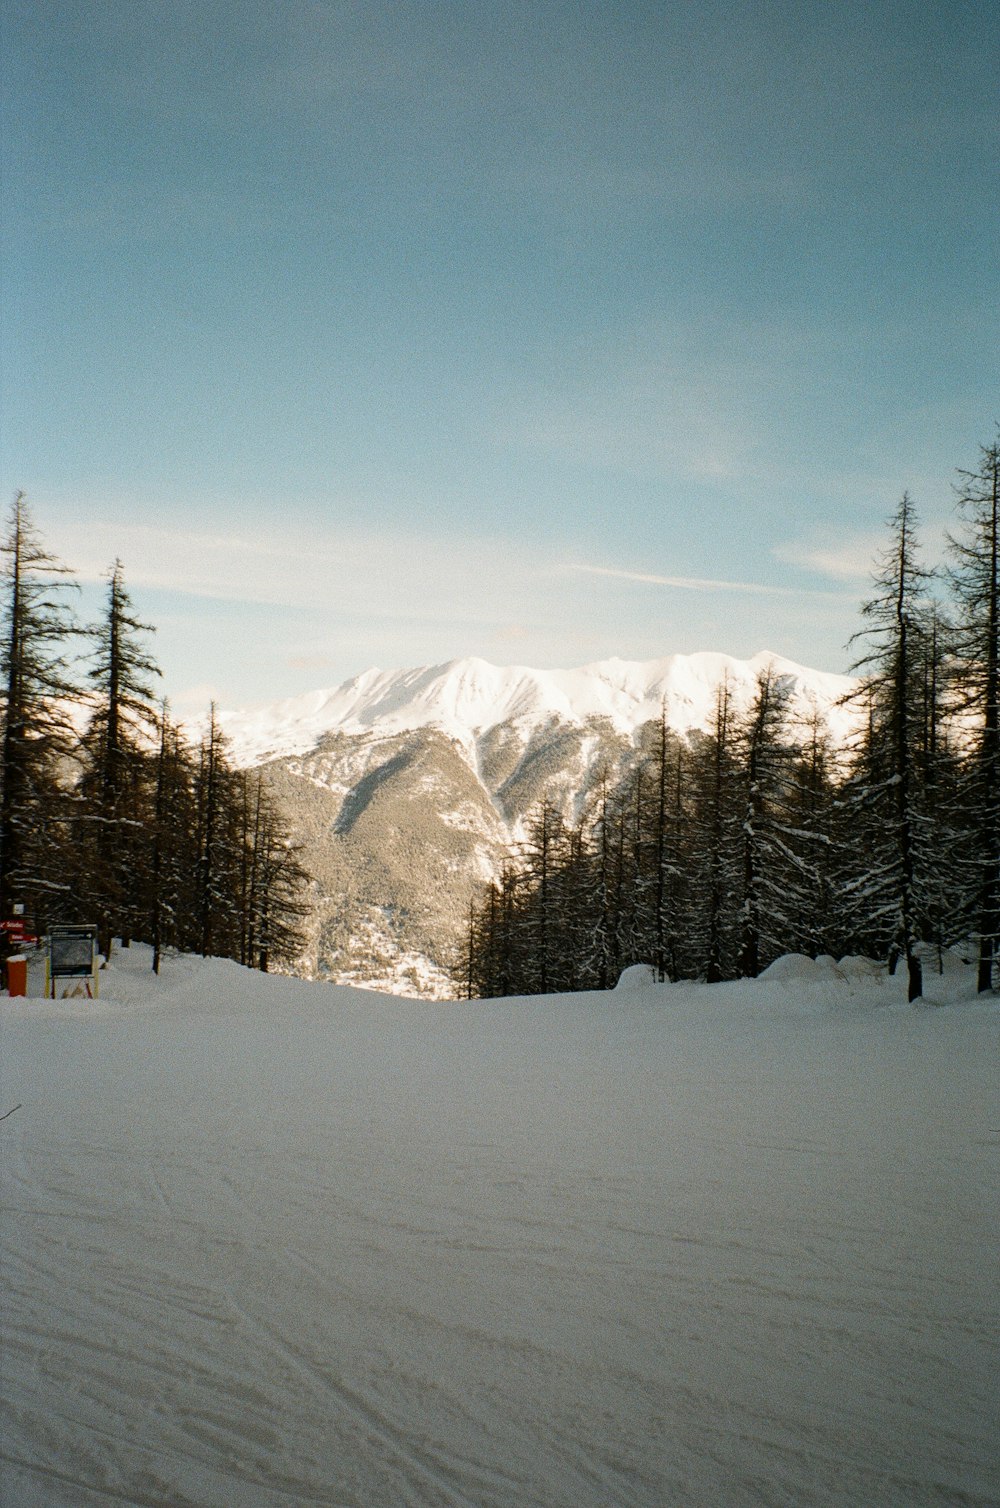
(72, 955)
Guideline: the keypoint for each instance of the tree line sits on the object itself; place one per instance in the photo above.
(716, 852)
(108, 816)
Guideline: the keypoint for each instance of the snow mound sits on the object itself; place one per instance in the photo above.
(853, 966)
(638, 976)
(798, 968)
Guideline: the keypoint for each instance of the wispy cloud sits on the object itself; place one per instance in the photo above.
(219, 565)
(397, 574)
(694, 583)
(849, 560)
(852, 560)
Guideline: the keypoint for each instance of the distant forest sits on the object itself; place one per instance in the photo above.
(718, 852)
(107, 816)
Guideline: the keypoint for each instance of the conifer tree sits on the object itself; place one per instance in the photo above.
(975, 579)
(886, 786)
(37, 735)
(219, 842)
(115, 785)
(666, 844)
(809, 841)
(273, 882)
(764, 758)
(637, 877)
(604, 951)
(173, 866)
(509, 955)
(713, 860)
(537, 863)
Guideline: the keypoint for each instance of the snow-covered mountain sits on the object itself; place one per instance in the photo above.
(467, 699)
(407, 788)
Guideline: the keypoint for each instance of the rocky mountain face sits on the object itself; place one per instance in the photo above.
(406, 789)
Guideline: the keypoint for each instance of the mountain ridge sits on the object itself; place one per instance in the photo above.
(469, 698)
(406, 790)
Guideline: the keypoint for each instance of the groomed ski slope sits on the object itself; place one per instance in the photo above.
(267, 1242)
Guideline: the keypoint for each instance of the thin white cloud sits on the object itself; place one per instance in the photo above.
(395, 575)
(223, 566)
(847, 561)
(691, 583)
(853, 560)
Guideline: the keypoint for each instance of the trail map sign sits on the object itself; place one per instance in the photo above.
(72, 955)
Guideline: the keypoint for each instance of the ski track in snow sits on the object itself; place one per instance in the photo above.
(273, 1243)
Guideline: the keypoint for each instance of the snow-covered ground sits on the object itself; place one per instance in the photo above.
(267, 1242)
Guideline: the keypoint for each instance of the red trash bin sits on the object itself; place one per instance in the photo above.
(17, 975)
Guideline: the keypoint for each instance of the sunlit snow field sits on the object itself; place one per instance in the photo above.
(267, 1242)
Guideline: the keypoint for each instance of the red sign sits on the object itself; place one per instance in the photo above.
(20, 930)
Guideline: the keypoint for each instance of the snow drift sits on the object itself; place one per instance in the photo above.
(270, 1242)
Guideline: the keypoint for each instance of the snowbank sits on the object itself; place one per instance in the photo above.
(271, 1242)
(638, 976)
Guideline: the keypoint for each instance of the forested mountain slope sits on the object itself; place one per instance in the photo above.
(408, 788)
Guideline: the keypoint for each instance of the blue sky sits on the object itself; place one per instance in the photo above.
(388, 333)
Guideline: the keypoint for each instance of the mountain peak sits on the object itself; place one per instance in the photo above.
(465, 698)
